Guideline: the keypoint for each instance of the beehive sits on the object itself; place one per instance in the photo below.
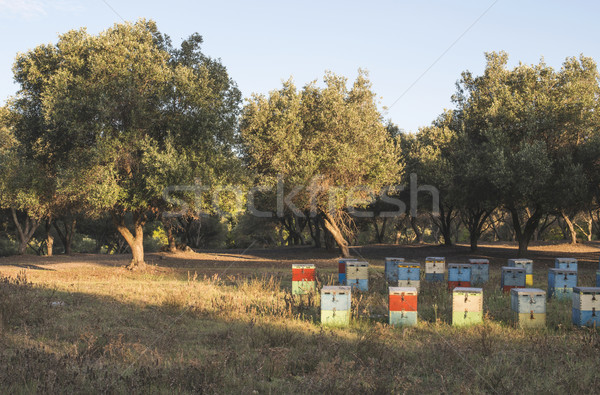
(459, 275)
(586, 306)
(526, 264)
(342, 269)
(357, 275)
(565, 263)
(409, 275)
(435, 268)
(303, 279)
(403, 306)
(335, 305)
(512, 277)
(391, 269)
(467, 306)
(598, 278)
(528, 307)
(480, 271)
(561, 283)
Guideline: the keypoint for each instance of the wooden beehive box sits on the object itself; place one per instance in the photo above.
(335, 305)
(303, 279)
(586, 306)
(526, 264)
(512, 277)
(467, 306)
(561, 283)
(403, 306)
(459, 275)
(528, 307)
(391, 269)
(342, 269)
(480, 271)
(565, 263)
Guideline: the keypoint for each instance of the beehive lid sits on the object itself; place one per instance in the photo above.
(336, 289)
(459, 264)
(479, 261)
(403, 290)
(520, 260)
(357, 264)
(435, 258)
(394, 259)
(527, 291)
(587, 290)
(302, 266)
(467, 290)
(512, 269)
(563, 271)
(409, 264)
(565, 260)
(342, 260)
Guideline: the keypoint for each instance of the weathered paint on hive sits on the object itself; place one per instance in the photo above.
(459, 272)
(303, 272)
(586, 298)
(335, 318)
(467, 318)
(303, 287)
(336, 298)
(512, 277)
(565, 263)
(357, 270)
(403, 299)
(361, 284)
(454, 284)
(391, 268)
(585, 318)
(409, 271)
(467, 299)
(529, 320)
(403, 318)
(526, 264)
(480, 271)
(528, 300)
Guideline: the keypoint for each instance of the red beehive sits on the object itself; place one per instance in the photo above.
(403, 299)
(456, 284)
(303, 273)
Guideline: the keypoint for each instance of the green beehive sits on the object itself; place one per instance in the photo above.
(467, 306)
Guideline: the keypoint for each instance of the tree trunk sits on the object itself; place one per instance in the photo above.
(524, 234)
(572, 233)
(49, 238)
(66, 235)
(135, 242)
(168, 225)
(444, 223)
(25, 234)
(417, 230)
(336, 233)
(315, 231)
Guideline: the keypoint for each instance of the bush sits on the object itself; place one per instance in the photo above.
(20, 302)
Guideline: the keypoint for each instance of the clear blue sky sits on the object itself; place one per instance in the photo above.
(264, 42)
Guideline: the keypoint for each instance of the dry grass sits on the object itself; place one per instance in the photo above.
(221, 323)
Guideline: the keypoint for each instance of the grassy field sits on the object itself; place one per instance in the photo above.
(223, 322)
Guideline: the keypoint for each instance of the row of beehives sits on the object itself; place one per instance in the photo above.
(562, 281)
(528, 306)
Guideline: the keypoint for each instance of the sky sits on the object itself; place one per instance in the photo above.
(414, 51)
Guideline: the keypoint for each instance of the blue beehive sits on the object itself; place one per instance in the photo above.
(565, 263)
(480, 271)
(409, 271)
(561, 283)
(362, 284)
(598, 278)
(528, 307)
(391, 269)
(512, 277)
(586, 306)
(526, 264)
(460, 272)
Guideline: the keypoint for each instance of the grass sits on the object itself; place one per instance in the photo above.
(88, 326)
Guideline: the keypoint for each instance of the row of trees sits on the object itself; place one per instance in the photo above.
(127, 126)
